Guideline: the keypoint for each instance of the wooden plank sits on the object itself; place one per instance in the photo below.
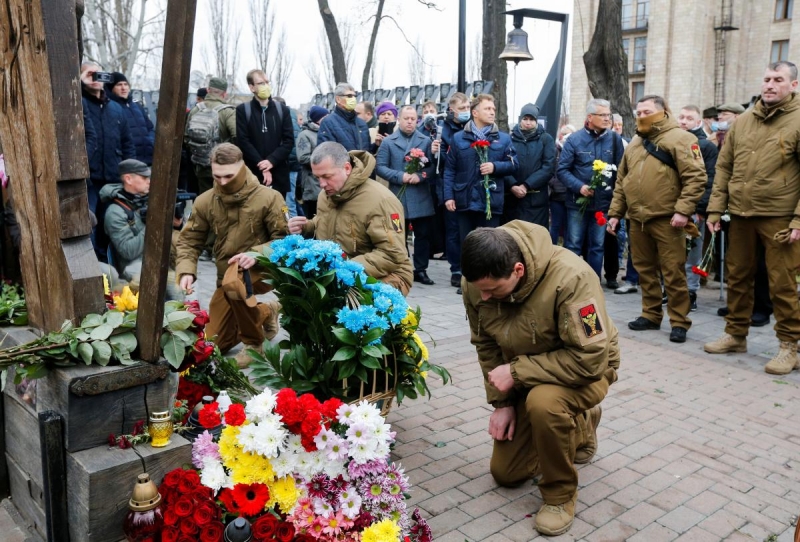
(22, 438)
(27, 128)
(54, 472)
(166, 164)
(61, 38)
(73, 203)
(4, 483)
(26, 496)
(86, 288)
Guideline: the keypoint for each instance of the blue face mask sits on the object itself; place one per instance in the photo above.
(715, 126)
(463, 117)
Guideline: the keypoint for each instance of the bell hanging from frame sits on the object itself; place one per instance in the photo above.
(516, 47)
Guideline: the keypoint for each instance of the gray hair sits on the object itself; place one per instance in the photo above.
(593, 104)
(341, 88)
(775, 66)
(616, 117)
(413, 108)
(330, 149)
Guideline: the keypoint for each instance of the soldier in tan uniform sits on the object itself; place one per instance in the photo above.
(660, 180)
(548, 351)
(758, 182)
(364, 217)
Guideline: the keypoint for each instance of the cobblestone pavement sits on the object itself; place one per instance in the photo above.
(692, 447)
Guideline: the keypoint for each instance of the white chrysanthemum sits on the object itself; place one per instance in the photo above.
(344, 412)
(382, 450)
(270, 440)
(334, 469)
(322, 508)
(359, 432)
(304, 466)
(284, 464)
(383, 432)
(363, 452)
(323, 439)
(213, 475)
(294, 444)
(350, 504)
(248, 436)
(337, 449)
(260, 406)
(366, 413)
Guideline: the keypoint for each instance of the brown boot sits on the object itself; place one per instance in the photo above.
(726, 344)
(271, 325)
(785, 361)
(556, 519)
(243, 359)
(586, 452)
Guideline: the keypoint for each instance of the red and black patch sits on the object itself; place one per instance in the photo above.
(696, 152)
(590, 321)
(397, 223)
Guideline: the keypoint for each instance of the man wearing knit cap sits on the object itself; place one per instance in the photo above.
(142, 130)
(201, 94)
(758, 183)
(200, 138)
(343, 125)
(235, 314)
(306, 143)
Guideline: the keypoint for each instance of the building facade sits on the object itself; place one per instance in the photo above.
(701, 52)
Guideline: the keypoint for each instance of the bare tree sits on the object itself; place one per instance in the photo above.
(492, 69)
(321, 80)
(416, 69)
(117, 35)
(262, 23)
(283, 65)
(225, 33)
(607, 65)
(371, 48)
(338, 62)
(474, 59)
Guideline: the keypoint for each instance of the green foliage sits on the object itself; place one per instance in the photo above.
(13, 310)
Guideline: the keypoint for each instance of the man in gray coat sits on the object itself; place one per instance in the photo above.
(409, 180)
(306, 143)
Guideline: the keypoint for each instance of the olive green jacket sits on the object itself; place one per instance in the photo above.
(554, 329)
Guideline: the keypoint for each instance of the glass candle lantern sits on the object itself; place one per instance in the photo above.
(145, 519)
(160, 429)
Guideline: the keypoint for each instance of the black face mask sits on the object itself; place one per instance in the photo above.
(386, 128)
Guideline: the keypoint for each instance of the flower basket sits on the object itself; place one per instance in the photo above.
(380, 389)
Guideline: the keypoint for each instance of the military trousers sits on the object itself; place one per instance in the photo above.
(658, 250)
(551, 424)
(741, 262)
(232, 320)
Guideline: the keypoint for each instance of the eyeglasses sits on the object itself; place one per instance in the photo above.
(347, 95)
(602, 115)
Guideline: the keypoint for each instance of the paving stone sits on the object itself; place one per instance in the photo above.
(641, 515)
(443, 501)
(707, 503)
(485, 525)
(654, 533)
(602, 512)
(613, 531)
(681, 519)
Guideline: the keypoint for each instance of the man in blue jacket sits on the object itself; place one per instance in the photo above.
(478, 202)
(596, 141)
(142, 130)
(526, 198)
(343, 125)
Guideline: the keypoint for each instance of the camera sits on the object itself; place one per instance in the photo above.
(102, 77)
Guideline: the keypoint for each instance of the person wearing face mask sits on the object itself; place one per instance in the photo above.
(265, 134)
(726, 116)
(245, 216)
(689, 120)
(660, 180)
(343, 125)
(758, 183)
(527, 198)
(430, 126)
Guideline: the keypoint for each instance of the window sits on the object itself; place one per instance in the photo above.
(780, 51)
(642, 11)
(626, 46)
(783, 9)
(637, 92)
(627, 14)
(639, 54)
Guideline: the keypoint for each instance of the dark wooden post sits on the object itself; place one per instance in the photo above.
(54, 476)
(166, 165)
(41, 126)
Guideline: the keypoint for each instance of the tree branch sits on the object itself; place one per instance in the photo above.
(407, 40)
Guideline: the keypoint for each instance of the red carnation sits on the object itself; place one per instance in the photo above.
(698, 271)
(184, 507)
(212, 532)
(285, 532)
(209, 416)
(600, 218)
(264, 527)
(309, 402)
(169, 534)
(330, 407)
(235, 415)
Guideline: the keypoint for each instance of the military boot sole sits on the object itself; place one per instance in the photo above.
(557, 532)
(770, 370)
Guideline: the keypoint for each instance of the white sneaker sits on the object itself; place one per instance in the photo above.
(627, 288)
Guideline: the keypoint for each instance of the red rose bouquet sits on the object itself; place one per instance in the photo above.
(415, 161)
(190, 510)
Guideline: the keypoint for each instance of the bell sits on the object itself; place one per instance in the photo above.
(517, 45)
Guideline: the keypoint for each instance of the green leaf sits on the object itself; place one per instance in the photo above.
(172, 306)
(37, 370)
(114, 318)
(292, 273)
(102, 352)
(85, 352)
(82, 336)
(91, 320)
(370, 362)
(321, 289)
(346, 336)
(344, 353)
(372, 335)
(21, 320)
(124, 342)
(372, 351)
(179, 320)
(101, 332)
(400, 394)
(347, 369)
(174, 349)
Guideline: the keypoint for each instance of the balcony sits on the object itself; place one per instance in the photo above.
(632, 24)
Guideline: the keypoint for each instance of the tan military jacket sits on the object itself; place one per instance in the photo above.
(647, 188)
(758, 169)
(242, 221)
(367, 220)
(553, 330)
(227, 118)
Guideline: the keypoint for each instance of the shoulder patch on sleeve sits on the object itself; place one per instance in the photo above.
(396, 222)
(589, 326)
(696, 152)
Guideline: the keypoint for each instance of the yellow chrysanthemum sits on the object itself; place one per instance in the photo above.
(410, 320)
(284, 493)
(106, 287)
(127, 301)
(599, 165)
(229, 449)
(250, 468)
(383, 531)
(422, 347)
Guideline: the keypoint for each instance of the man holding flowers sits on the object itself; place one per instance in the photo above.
(585, 167)
(405, 160)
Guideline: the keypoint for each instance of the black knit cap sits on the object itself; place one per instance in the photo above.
(117, 77)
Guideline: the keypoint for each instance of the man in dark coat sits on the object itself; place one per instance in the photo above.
(265, 134)
(142, 130)
(343, 125)
(527, 198)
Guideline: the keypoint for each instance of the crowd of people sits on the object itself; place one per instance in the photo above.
(496, 206)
